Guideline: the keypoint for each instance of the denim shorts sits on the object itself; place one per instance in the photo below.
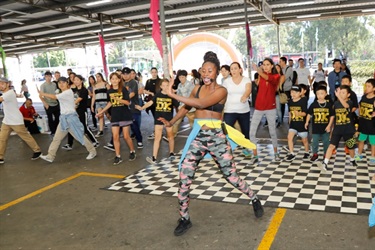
(300, 134)
(100, 105)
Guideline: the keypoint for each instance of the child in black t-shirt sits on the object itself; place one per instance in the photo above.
(297, 118)
(163, 109)
(322, 119)
(344, 126)
(367, 121)
(121, 116)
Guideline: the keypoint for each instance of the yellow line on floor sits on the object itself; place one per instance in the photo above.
(39, 191)
(271, 232)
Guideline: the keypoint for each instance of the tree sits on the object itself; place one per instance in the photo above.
(50, 59)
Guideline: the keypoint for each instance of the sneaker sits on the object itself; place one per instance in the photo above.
(285, 148)
(314, 158)
(99, 134)
(132, 156)
(139, 145)
(94, 128)
(95, 144)
(2, 161)
(358, 157)
(132, 136)
(254, 161)
(258, 208)
(151, 137)
(46, 158)
(117, 160)
(172, 156)
(151, 160)
(182, 227)
(36, 155)
(165, 138)
(370, 163)
(322, 166)
(109, 146)
(354, 164)
(277, 157)
(290, 157)
(67, 147)
(306, 155)
(247, 153)
(91, 155)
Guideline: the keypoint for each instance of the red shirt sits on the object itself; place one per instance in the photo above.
(27, 112)
(266, 97)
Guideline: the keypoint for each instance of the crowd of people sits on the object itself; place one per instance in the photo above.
(212, 108)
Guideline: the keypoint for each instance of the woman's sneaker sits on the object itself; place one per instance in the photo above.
(117, 160)
(67, 147)
(35, 156)
(172, 156)
(182, 227)
(257, 207)
(99, 134)
(132, 156)
(290, 157)
(109, 146)
(151, 160)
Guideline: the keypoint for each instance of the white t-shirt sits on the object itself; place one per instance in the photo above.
(66, 99)
(303, 76)
(12, 115)
(235, 92)
(319, 76)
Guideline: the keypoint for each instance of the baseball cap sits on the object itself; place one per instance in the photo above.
(296, 88)
(63, 79)
(126, 70)
(3, 79)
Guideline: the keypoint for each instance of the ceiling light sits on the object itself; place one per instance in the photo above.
(189, 29)
(221, 13)
(135, 36)
(236, 24)
(309, 16)
(301, 3)
(368, 10)
(79, 18)
(98, 2)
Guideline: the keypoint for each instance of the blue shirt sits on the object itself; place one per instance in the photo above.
(334, 81)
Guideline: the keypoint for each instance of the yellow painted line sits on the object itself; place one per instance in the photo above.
(39, 191)
(271, 232)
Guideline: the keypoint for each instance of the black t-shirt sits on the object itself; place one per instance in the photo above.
(82, 93)
(164, 107)
(366, 118)
(320, 116)
(343, 119)
(153, 85)
(353, 97)
(132, 86)
(298, 122)
(120, 111)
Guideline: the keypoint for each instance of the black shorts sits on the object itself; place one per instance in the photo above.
(335, 138)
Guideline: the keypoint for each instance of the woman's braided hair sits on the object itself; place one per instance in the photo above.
(212, 58)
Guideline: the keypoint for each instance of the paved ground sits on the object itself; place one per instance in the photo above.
(72, 212)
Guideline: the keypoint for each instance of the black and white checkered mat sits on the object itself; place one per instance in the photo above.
(298, 184)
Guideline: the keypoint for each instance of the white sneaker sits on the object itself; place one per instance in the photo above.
(322, 166)
(46, 158)
(91, 155)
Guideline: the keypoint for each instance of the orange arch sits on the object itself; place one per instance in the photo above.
(205, 37)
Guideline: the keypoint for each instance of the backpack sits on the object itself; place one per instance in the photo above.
(294, 76)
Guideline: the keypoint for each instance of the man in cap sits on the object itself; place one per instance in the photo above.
(13, 121)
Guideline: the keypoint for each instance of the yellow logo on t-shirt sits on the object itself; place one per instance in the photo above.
(366, 110)
(115, 97)
(342, 116)
(163, 105)
(293, 110)
(321, 115)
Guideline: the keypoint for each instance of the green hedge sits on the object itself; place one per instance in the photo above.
(362, 70)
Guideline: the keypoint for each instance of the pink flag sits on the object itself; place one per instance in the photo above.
(248, 37)
(102, 48)
(156, 35)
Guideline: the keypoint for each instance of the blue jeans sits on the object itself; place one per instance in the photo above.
(136, 127)
(315, 143)
(242, 118)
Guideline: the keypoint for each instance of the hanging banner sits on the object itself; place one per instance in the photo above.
(104, 59)
(248, 36)
(156, 34)
(3, 56)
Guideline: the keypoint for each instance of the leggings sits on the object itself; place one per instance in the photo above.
(214, 142)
